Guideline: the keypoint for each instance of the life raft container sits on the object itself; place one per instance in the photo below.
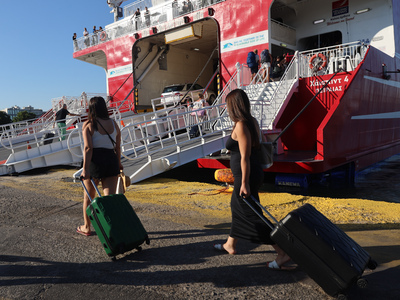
(103, 36)
(320, 57)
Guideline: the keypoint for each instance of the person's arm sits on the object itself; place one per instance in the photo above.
(71, 114)
(244, 139)
(87, 150)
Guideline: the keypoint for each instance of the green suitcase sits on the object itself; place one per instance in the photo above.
(116, 223)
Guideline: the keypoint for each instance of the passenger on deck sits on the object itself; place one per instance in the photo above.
(175, 8)
(86, 35)
(136, 16)
(147, 16)
(185, 7)
(94, 37)
(76, 48)
(190, 6)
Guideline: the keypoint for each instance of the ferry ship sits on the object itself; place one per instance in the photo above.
(334, 108)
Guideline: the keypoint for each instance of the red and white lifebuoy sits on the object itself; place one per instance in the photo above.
(322, 58)
(103, 36)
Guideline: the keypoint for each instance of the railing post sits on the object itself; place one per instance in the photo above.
(238, 74)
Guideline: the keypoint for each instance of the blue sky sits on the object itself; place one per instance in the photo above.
(36, 50)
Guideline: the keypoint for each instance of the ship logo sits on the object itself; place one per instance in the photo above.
(340, 7)
(112, 73)
(228, 45)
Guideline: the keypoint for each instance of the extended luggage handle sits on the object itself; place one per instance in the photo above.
(262, 217)
(87, 192)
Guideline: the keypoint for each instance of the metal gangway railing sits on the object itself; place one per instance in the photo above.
(130, 24)
(154, 142)
(38, 143)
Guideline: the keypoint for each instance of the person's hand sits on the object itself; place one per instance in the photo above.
(85, 174)
(245, 191)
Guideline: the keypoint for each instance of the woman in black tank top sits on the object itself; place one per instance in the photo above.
(244, 146)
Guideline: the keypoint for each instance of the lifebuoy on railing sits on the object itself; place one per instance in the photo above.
(320, 66)
(103, 36)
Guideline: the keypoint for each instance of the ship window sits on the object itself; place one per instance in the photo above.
(320, 40)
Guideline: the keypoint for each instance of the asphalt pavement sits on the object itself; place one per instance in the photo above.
(42, 257)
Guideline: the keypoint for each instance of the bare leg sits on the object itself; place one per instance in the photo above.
(86, 227)
(109, 185)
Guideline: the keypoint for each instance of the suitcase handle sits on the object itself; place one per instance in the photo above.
(262, 217)
(87, 192)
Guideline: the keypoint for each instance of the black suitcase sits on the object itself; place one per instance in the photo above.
(47, 138)
(326, 253)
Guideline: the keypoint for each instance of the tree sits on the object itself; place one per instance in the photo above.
(24, 115)
(4, 118)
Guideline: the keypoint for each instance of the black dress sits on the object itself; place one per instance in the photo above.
(245, 223)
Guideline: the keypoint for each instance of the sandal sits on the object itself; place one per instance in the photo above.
(220, 247)
(78, 230)
(273, 265)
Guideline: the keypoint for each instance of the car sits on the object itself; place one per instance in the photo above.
(174, 93)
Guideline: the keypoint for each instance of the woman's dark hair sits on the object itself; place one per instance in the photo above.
(97, 109)
(238, 104)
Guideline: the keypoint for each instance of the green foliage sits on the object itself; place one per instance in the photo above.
(24, 115)
(4, 118)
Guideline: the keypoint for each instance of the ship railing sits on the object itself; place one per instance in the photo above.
(146, 137)
(13, 134)
(241, 77)
(120, 105)
(130, 24)
(330, 59)
(27, 134)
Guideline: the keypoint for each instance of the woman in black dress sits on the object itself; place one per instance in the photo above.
(244, 145)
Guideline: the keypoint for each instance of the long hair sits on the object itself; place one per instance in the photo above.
(97, 109)
(238, 104)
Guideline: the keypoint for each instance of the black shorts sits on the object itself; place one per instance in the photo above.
(254, 69)
(104, 163)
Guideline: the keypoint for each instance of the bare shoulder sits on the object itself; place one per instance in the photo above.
(87, 127)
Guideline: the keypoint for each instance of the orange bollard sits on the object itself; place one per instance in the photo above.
(29, 146)
(122, 123)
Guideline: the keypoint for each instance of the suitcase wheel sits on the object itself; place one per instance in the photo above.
(372, 264)
(362, 283)
(341, 297)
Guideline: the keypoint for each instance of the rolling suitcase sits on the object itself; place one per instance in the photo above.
(116, 223)
(327, 254)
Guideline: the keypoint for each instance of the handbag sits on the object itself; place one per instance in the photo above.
(266, 155)
(123, 183)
